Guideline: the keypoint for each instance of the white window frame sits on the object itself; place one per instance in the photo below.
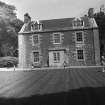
(33, 44)
(34, 58)
(57, 55)
(77, 55)
(39, 25)
(60, 34)
(75, 26)
(82, 37)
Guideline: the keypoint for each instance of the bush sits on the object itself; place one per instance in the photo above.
(8, 61)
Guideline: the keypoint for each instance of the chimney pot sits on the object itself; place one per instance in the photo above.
(27, 18)
(91, 12)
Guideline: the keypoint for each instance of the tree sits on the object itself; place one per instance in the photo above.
(7, 12)
(9, 28)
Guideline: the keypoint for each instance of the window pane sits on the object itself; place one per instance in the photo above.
(36, 56)
(79, 36)
(56, 38)
(75, 23)
(35, 39)
(78, 23)
(36, 26)
(80, 54)
(81, 23)
(56, 56)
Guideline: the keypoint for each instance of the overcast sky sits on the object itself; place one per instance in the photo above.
(49, 9)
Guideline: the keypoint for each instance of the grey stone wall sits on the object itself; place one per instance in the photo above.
(68, 42)
(90, 47)
(25, 50)
(96, 46)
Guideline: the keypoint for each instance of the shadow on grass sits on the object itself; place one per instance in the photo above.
(82, 96)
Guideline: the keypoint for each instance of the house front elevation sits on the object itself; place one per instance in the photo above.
(55, 42)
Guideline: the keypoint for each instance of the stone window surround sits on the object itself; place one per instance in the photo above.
(39, 26)
(38, 57)
(59, 39)
(33, 44)
(83, 54)
(75, 26)
(82, 37)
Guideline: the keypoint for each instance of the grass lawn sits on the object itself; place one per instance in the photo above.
(84, 86)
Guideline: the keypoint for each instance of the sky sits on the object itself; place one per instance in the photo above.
(51, 9)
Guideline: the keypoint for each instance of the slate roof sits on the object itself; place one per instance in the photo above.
(62, 22)
(57, 23)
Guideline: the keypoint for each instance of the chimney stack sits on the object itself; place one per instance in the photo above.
(91, 12)
(27, 18)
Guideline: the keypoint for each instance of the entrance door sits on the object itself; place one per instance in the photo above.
(56, 58)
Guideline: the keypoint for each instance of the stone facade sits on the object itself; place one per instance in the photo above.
(74, 41)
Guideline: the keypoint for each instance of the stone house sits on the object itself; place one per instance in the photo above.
(55, 42)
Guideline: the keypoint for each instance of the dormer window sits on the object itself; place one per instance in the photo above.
(36, 26)
(78, 23)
